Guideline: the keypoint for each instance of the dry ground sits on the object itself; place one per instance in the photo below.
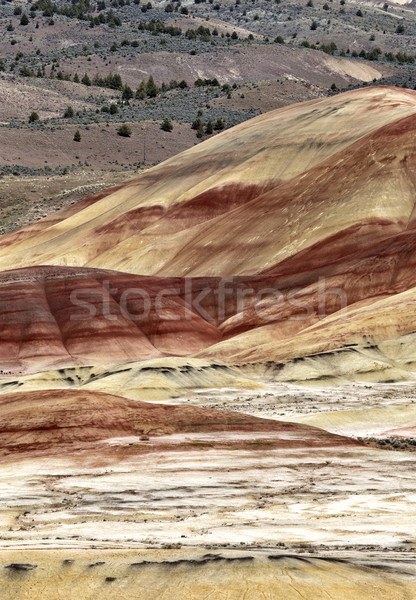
(199, 575)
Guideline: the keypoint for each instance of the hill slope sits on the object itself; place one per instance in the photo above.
(247, 199)
(288, 236)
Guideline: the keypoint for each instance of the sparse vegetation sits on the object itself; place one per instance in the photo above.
(105, 61)
(393, 443)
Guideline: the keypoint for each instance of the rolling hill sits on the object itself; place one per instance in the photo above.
(289, 238)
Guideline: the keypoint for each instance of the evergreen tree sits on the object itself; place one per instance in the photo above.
(69, 112)
(152, 89)
(141, 91)
(127, 94)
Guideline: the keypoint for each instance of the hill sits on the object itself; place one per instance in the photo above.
(233, 252)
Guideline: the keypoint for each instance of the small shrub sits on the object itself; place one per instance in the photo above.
(166, 125)
(124, 130)
(33, 117)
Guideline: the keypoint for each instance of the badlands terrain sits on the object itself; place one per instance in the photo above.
(207, 370)
(85, 66)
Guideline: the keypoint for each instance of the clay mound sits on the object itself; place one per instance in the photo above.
(250, 198)
(38, 421)
(62, 317)
(291, 236)
(59, 316)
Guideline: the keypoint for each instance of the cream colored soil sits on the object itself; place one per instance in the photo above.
(354, 409)
(261, 496)
(200, 575)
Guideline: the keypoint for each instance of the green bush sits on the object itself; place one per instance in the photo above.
(26, 72)
(69, 112)
(124, 130)
(196, 124)
(166, 125)
(33, 117)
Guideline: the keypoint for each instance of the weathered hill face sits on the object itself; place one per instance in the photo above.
(52, 420)
(249, 198)
(55, 316)
(288, 236)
